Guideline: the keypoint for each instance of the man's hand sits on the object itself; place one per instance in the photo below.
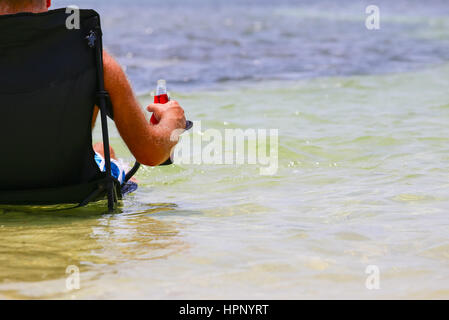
(169, 114)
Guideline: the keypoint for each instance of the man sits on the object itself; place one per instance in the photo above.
(150, 144)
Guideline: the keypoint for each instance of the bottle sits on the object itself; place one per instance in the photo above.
(161, 96)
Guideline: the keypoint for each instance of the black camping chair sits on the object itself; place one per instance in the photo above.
(51, 77)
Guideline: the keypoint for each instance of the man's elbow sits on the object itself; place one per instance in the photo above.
(154, 155)
(149, 163)
(152, 160)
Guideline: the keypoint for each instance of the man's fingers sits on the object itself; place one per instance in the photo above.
(171, 110)
(154, 107)
(156, 112)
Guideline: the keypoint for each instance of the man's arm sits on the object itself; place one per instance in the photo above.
(150, 144)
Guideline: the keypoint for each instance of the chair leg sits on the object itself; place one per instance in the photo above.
(111, 203)
(112, 197)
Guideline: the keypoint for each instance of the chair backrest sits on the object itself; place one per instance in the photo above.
(48, 85)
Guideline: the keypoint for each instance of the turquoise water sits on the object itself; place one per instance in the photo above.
(362, 180)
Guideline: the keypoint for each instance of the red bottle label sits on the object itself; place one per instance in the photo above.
(163, 98)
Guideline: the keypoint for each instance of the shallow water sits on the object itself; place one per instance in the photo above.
(362, 177)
